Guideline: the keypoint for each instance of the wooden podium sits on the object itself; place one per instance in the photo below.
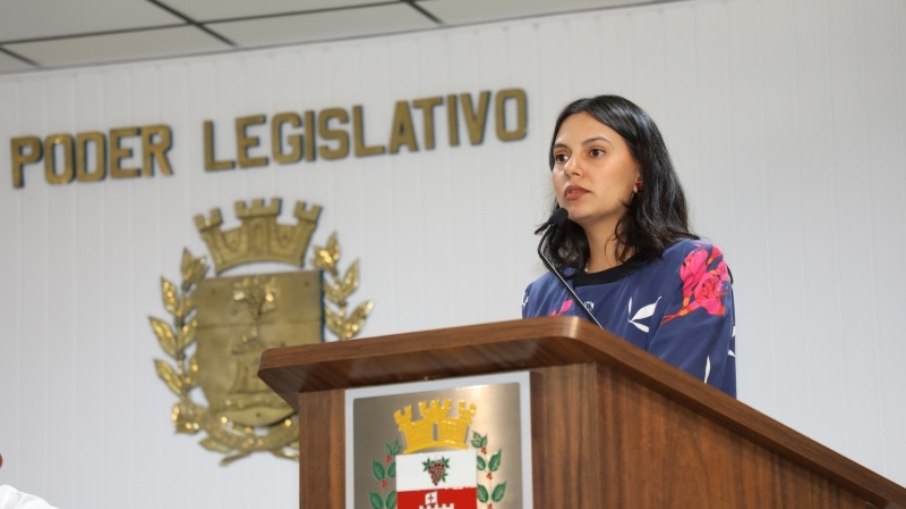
(612, 426)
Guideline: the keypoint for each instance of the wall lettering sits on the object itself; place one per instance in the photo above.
(284, 138)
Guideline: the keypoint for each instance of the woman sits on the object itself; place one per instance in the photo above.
(626, 247)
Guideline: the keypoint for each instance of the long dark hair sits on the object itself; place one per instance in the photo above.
(656, 216)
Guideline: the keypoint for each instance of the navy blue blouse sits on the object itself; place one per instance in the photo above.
(679, 307)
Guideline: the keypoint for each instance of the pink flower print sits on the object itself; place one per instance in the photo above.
(694, 267)
(566, 306)
(702, 287)
(709, 294)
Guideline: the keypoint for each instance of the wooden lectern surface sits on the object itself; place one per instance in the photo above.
(612, 426)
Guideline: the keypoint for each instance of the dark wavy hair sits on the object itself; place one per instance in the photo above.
(656, 216)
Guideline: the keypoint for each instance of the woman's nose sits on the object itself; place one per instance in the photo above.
(571, 167)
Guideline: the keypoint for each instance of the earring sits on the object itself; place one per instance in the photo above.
(636, 186)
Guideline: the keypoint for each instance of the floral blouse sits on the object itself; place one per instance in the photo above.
(679, 307)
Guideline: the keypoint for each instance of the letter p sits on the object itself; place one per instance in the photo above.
(25, 150)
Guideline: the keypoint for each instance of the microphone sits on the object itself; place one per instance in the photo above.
(554, 223)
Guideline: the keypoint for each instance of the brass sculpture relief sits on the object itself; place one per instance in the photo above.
(219, 326)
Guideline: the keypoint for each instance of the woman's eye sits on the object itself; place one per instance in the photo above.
(560, 158)
(596, 152)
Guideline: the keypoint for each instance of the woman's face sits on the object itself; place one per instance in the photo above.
(594, 172)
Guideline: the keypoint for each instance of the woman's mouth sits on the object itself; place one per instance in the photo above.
(573, 192)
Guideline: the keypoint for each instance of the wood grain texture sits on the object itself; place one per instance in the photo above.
(322, 450)
(658, 453)
(660, 437)
(566, 437)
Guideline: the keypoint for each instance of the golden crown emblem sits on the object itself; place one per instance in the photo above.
(436, 428)
(259, 237)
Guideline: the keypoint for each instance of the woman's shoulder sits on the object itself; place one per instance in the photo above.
(680, 250)
(694, 260)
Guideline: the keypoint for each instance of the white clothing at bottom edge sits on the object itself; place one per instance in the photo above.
(11, 498)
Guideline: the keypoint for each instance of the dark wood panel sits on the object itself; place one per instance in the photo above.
(659, 454)
(565, 430)
(322, 450)
(602, 440)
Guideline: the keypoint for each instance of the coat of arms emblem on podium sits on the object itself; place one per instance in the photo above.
(219, 326)
(440, 458)
(444, 479)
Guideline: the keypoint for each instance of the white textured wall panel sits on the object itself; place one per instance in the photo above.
(783, 341)
(10, 311)
(785, 121)
(884, 35)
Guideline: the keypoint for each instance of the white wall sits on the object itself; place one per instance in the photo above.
(785, 120)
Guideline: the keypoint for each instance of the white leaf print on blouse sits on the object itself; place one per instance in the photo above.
(642, 313)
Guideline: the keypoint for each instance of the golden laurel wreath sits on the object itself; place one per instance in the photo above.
(181, 375)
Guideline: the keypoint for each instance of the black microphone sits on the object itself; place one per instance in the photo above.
(554, 223)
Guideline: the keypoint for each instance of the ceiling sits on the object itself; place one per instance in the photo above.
(50, 34)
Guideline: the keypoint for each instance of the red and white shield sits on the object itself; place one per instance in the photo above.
(437, 480)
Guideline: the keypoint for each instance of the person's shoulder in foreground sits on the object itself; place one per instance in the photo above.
(11, 498)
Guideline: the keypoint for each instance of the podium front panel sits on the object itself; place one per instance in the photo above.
(460, 442)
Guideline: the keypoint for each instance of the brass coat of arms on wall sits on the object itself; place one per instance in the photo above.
(219, 326)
